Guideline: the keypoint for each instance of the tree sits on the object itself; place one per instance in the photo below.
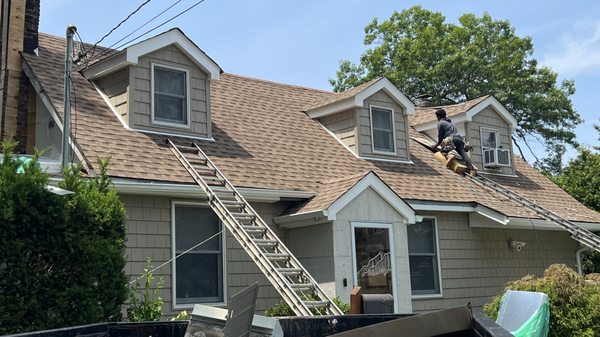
(61, 257)
(423, 54)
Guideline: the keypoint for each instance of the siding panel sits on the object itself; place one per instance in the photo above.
(490, 119)
(343, 126)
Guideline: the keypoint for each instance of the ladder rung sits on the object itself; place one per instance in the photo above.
(232, 203)
(289, 271)
(316, 304)
(185, 148)
(213, 181)
(266, 242)
(301, 286)
(254, 229)
(277, 256)
(244, 216)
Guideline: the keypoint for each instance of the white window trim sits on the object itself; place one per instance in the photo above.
(392, 242)
(488, 129)
(388, 153)
(439, 265)
(188, 96)
(498, 144)
(174, 264)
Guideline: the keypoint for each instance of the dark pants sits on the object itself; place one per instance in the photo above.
(459, 144)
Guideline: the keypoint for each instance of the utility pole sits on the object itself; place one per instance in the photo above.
(66, 149)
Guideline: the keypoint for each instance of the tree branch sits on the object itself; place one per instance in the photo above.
(518, 147)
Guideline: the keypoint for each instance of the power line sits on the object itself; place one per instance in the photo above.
(119, 25)
(109, 49)
(158, 26)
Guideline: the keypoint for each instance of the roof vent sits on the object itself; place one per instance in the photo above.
(424, 100)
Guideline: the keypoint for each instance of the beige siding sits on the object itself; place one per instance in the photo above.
(149, 229)
(115, 86)
(369, 207)
(313, 247)
(489, 118)
(343, 126)
(381, 99)
(140, 94)
(477, 262)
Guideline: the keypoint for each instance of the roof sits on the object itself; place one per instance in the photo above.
(264, 140)
(427, 114)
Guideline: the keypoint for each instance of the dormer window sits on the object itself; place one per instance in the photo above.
(383, 134)
(170, 99)
(493, 153)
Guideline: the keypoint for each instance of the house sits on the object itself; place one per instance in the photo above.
(336, 175)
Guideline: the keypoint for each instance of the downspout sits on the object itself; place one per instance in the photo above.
(578, 258)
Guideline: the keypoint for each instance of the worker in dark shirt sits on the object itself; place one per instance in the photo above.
(447, 129)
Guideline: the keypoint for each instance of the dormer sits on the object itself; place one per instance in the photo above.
(485, 123)
(370, 120)
(160, 85)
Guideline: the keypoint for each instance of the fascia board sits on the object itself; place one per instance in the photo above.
(421, 205)
(327, 110)
(184, 44)
(106, 66)
(371, 180)
(302, 219)
(391, 90)
(492, 214)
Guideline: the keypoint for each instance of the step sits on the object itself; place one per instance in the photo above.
(204, 170)
(316, 304)
(301, 286)
(289, 271)
(266, 242)
(277, 256)
(187, 149)
(196, 160)
(213, 181)
(253, 229)
(233, 203)
(244, 216)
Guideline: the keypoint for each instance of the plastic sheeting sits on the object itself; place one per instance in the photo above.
(525, 313)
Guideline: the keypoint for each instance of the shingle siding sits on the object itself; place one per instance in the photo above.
(149, 230)
(199, 98)
(489, 118)
(116, 87)
(477, 262)
(343, 126)
(381, 99)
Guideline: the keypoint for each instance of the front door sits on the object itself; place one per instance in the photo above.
(373, 258)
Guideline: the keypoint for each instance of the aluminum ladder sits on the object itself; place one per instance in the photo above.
(295, 285)
(579, 234)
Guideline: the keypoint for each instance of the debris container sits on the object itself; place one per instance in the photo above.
(377, 303)
(525, 313)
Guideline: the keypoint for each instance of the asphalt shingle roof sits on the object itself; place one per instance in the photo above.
(263, 139)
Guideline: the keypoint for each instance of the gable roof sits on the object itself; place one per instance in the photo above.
(264, 140)
(131, 55)
(425, 118)
(356, 96)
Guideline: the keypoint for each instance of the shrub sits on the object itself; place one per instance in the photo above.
(145, 303)
(61, 257)
(574, 301)
(283, 309)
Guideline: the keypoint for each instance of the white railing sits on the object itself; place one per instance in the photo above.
(377, 265)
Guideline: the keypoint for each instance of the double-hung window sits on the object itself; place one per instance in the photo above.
(170, 101)
(489, 138)
(423, 258)
(382, 126)
(197, 274)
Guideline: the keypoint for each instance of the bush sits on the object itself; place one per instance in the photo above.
(574, 301)
(61, 257)
(283, 309)
(145, 303)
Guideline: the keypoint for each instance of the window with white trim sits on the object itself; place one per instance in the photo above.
(170, 95)
(493, 153)
(382, 126)
(197, 274)
(489, 138)
(423, 257)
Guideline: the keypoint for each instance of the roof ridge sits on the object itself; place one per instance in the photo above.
(455, 104)
(278, 83)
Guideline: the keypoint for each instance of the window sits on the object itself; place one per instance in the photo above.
(382, 126)
(423, 258)
(489, 138)
(493, 153)
(198, 274)
(373, 258)
(170, 95)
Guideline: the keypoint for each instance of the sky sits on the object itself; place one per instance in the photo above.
(301, 42)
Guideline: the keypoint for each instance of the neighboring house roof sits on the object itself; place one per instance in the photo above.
(425, 118)
(264, 140)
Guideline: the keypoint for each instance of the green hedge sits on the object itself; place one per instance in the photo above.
(574, 301)
(61, 257)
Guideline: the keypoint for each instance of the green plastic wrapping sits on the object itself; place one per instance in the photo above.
(538, 324)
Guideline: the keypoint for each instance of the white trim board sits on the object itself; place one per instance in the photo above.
(358, 100)
(393, 127)
(467, 116)
(131, 55)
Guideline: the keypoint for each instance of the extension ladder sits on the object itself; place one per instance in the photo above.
(299, 290)
(579, 234)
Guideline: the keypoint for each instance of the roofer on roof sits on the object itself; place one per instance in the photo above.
(447, 130)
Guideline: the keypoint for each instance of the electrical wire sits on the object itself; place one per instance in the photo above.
(176, 257)
(93, 49)
(158, 26)
(110, 49)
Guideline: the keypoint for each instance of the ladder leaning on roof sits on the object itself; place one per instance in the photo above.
(579, 234)
(300, 291)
